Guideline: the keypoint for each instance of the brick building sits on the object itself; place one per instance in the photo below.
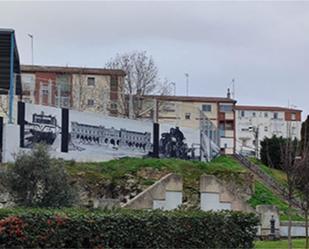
(83, 89)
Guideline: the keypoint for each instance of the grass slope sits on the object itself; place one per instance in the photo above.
(279, 244)
(149, 170)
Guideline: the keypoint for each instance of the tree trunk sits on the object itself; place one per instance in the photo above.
(290, 219)
(306, 224)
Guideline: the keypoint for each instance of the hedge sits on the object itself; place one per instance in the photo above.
(43, 228)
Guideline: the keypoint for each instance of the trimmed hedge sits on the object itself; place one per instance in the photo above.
(43, 228)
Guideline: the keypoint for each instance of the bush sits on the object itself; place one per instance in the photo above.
(126, 229)
(37, 180)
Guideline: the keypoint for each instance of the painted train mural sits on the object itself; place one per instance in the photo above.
(99, 137)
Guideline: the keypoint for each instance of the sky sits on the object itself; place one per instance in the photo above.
(263, 45)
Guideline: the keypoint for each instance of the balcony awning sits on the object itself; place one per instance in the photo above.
(5, 57)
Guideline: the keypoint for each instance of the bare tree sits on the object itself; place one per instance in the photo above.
(289, 149)
(141, 79)
(302, 176)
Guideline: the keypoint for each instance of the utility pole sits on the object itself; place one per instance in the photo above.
(233, 88)
(31, 37)
(187, 84)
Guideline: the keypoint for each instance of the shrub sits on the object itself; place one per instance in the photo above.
(126, 229)
(37, 180)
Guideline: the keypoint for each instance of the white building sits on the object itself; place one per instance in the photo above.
(254, 123)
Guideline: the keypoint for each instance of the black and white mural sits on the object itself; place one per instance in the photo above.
(178, 142)
(94, 134)
(42, 125)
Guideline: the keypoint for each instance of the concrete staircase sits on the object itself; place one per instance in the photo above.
(266, 179)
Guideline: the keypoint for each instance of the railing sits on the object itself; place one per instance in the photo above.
(268, 180)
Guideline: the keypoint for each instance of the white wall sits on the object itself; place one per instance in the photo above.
(10, 142)
(211, 201)
(268, 126)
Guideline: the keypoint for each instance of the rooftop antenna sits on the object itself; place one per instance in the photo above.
(233, 88)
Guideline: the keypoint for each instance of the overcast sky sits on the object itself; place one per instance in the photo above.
(263, 45)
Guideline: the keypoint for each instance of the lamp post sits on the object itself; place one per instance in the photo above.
(31, 37)
(187, 84)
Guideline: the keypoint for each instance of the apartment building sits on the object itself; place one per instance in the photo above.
(189, 111)
(83, 89)
(254, 123)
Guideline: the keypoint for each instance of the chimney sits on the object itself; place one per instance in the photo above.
(228, 95)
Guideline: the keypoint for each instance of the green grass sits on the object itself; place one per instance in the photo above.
(263, 195)
(117, 169)
(277, 174)
(148, 170)
(279, 244)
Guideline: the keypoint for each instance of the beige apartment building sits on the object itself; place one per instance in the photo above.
(83, 89)
(189, 111)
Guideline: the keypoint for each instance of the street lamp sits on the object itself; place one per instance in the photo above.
(187, 83)
(31, 37)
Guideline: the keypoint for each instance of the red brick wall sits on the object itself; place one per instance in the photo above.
(44, 78)
(288, 115)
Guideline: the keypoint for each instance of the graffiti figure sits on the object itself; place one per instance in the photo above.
(172, 144)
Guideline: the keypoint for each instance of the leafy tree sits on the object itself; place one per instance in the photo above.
(37, 180)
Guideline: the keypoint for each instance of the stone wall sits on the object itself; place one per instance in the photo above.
(165, 194)
(218, 195)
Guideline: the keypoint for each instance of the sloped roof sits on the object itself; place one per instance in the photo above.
(191, 98)
(71, 70)
(265, 108)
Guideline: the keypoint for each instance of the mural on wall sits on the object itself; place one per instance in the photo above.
(42, 125)
(111, 136)
(179, 142)
(172, 144)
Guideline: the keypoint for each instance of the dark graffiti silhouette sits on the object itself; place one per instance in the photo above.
(172, 144)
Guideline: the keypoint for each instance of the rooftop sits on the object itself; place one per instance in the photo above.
(265, 108)
(71, 70)
(191, 98)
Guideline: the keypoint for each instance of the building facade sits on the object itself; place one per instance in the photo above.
(186, 111)
(254, 123)
(83, 89)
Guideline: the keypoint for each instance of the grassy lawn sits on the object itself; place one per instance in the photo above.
(278, 175)
(148, 170)
(117, 169)
(297, 243)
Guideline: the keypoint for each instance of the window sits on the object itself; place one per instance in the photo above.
(265, 114)
(226, 108)
(91, 81)
(113, 106)
(206, 108)
(90, 102)
(188, 116)
(229, 126)
(45, 92)
(114, 82)
(293, 116)
(275, 115)
(266, 129)
(253, 114)
(242, 113)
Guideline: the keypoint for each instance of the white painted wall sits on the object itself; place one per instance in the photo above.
(211, 201)
(297, 231)
(268, 126)
(173, 199)
(10, 142)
